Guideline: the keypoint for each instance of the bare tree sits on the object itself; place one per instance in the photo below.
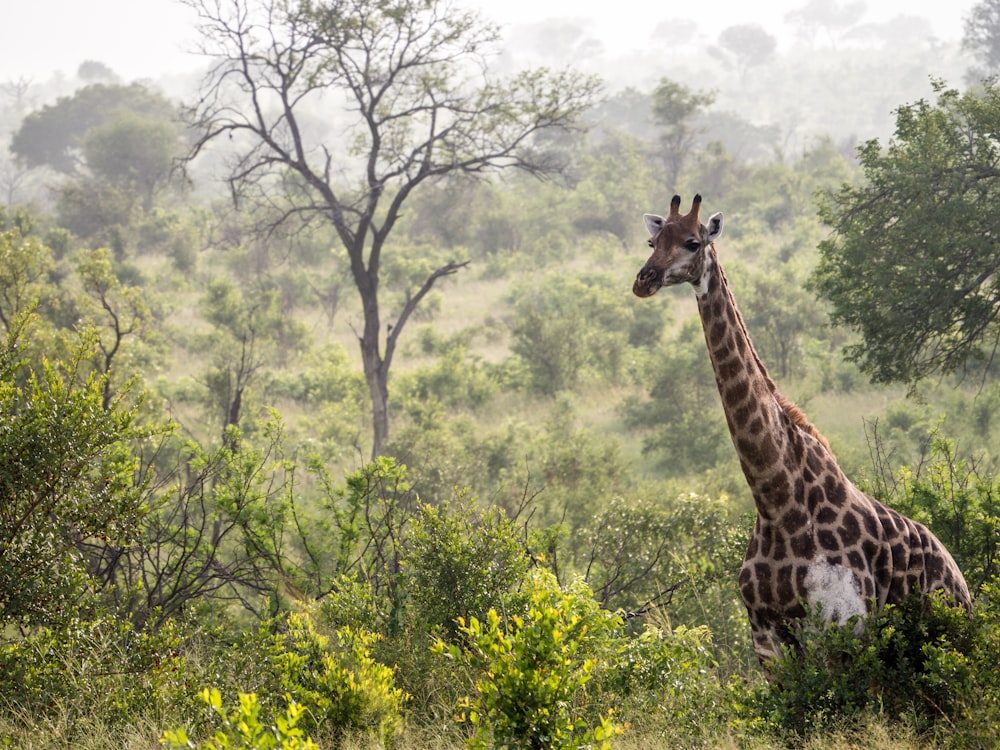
(412, 77)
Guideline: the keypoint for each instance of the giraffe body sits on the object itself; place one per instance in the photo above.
(818, 540)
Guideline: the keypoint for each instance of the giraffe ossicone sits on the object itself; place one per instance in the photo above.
(818, 540)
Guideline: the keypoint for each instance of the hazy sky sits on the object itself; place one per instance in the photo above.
(146, 38)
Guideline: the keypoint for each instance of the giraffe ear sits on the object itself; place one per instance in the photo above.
(714, 227)
(654, 223)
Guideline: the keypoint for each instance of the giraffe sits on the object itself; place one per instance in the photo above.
(817, 539)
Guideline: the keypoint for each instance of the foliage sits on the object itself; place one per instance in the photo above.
(675, 110)
(959, 503)
(68, 472)
(341, 688)
(677, 557)
(912, 261)
(243, 728)
(54, 135)
(95, 665)
(402, 69)
(370, 515)
(219, 532)
(915, 660)
(567, 328)
(460, 564)
(686, 429)
(667, 681)
(531, 671)
(24, 263)
(981, 37)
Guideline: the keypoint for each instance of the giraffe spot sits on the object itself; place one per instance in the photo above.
(784, 584)
(737, 392)
(855, 559)
(757, 453)
(730, 370)
(898, 556)
(753, 547)
(765, 545)
(883, 575)
(800, 581)
(731, 315)
(741, 346)
(816, 496)
(935, 567)
(742, 414)
(803, 545)
(762, 572)
(850, 529)
(794, 519)
(827, 539)
(871, 525)
(834, 491)
(756, 426)
(780, 551)
(716, 333)
(870, 549)
(814, 462)
(765, 593)
(827, 515)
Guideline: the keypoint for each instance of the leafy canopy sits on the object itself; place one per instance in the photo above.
(912, 261)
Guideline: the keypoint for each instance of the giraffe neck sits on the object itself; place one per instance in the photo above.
(762, 423)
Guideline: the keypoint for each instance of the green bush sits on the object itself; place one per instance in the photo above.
(342, 689)
(461, 563)
(913, 661)
(243, 728)
(98, 667)
(531, 671)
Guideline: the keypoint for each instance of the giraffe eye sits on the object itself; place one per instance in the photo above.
(692, 245)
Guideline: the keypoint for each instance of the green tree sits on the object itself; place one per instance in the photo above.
(420, 107)
(54, 135)
(780, 312)
(749, 44)
(116, 311)
(981, 37)
(566, 326)
(25, 262)
(913, 258)
(134, 153)
(67, 478)
(676, 109)
(250, 329)
(686, 429)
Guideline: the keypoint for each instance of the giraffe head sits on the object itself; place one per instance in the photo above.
(680, 245)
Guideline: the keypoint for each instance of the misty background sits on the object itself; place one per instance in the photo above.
(794, 70)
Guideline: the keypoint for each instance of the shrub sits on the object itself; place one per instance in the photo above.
(341, 688)
(914, 660)
(243, 729)
(461, 564)
(531, 671)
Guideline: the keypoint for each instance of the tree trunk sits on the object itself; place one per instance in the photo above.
(378, 388)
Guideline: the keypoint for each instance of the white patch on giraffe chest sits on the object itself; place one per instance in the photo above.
(836, 588)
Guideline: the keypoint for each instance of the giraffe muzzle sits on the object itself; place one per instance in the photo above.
(647, 282)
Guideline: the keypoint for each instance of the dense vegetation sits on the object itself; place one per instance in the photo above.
(198, 546)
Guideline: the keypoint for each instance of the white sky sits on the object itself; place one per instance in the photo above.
(148, 38)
